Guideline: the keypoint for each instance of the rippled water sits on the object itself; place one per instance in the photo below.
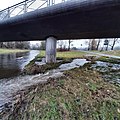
(73, 64)
(10, 86)
(12, 64)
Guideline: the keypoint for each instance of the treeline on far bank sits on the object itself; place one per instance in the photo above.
(86, 44)
(15, 45)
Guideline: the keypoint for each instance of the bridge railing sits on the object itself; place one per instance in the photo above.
(26, 6)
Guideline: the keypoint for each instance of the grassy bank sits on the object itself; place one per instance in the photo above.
(113, 52)
(6, 51)
(81, 94)
(32, 68)
(66, 55)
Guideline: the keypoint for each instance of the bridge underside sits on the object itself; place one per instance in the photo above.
(69, 20)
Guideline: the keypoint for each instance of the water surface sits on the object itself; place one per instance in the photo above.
(10, 86)
(12, 64)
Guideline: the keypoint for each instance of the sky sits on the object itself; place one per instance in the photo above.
(7, 3)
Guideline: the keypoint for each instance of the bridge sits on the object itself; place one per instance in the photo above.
(67, 20)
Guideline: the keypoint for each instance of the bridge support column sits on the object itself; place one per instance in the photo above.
(51, 50)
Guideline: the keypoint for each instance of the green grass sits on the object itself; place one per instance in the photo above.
(108, 59)
(66, 55)
(6, 51)
(32, 68)
(114, 52)
(81, 94)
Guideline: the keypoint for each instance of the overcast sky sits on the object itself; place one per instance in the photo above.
(7, 3)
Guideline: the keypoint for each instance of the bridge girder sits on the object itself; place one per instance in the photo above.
(69, 20)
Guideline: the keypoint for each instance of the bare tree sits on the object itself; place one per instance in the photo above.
(70, 41)
(60, 44)
(92, 44)
(42, 45)
(98, 44)
(114, 42)
(1, 44)
(19, 45)
(89, 44)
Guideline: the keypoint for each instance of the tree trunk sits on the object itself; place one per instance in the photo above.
(69, 44)
(1, 44)
(89, 45)
(98, 45)
(115, 39)
(93, 44)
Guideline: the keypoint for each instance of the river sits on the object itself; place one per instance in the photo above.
(12, 64)
(11, 82)
(10, 86)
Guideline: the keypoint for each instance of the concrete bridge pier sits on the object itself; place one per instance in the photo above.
(51, 50)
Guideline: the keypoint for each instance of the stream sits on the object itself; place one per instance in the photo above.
(12, 64)
(11, 85)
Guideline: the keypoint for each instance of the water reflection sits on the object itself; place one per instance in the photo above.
(12, 64)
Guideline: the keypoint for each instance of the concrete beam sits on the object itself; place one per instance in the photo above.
(51, 50)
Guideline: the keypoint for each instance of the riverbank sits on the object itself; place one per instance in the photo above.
(7, 51)
(82, 93)
(38, 65)
(112, 52)
(11, 64)
(66, 55)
